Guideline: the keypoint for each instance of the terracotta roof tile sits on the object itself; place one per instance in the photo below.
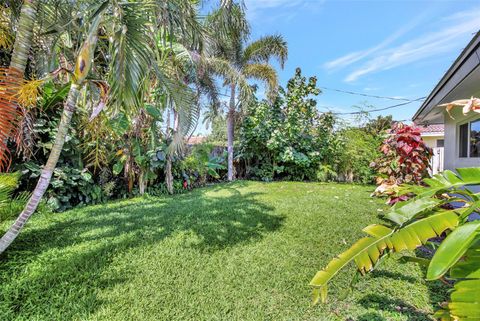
(436, 128)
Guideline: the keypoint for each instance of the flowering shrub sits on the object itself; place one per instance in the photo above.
(405, 158)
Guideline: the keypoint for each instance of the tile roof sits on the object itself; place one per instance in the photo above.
(436, 128)
(195, 140)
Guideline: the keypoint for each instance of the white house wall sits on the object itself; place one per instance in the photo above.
(431, 141)
(452, 160)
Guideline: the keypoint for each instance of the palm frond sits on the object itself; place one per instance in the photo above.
(230, 29)
(6, 33)
(24, 133)
(224, 69)
(10, 81)
(265, 48)
(8, 183)
(131, 55)
(265, 73)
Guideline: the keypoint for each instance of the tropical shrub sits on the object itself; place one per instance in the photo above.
(291, 139)
(288, 139)
(200, 165)
(405, 158)
(433, 212)
(359, 148)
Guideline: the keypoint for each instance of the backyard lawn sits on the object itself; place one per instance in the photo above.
(238, 251)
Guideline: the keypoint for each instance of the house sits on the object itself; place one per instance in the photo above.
(462, 132)
(433, 136)
(195, 140)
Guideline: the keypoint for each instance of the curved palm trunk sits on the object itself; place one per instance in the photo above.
(46, 175)
(81, 71)
(24, 35)
(230, 133)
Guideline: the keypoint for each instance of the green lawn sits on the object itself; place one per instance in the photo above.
(240, 251)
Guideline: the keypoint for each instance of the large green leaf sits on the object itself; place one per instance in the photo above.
(403, 212)
(465, 300)
(367, 251)
(452, 249)
(469, 266)
(444, 181)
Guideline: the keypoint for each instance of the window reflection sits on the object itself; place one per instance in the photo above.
(475, 138)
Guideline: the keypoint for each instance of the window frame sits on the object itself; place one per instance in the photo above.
(459, 138)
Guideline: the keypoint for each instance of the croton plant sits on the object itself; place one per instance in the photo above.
(405, 158)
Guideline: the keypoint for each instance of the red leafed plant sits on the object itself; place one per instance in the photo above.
(10, 80)
(405, 159)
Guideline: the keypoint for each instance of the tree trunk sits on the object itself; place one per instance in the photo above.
(24, 35)
(168, 165)
(230, 133)
(86, 54)
(47, 171)
(141, 183)
(169, 175)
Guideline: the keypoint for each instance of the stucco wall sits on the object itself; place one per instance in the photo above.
(431, 141)
(452, 160)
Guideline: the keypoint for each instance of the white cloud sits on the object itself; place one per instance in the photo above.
(417, 49)
(383, 56)
(359, 55)
(256, 8)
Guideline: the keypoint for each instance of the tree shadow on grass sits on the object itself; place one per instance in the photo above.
(392, 275)
(71, 255)
(382, 302)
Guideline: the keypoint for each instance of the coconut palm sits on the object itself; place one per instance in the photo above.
(127, 59)
(238, 60)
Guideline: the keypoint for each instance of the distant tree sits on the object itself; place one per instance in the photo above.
(237, 60)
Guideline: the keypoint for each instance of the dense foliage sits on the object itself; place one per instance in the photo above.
(291, 139)
(419, 222)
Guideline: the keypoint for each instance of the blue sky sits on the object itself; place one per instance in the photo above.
(386, 48)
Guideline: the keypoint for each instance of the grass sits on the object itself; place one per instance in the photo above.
(239, 251)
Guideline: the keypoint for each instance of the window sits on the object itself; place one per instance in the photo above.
(440, 143)
(475, 138)
(463, 146)
(469, 135)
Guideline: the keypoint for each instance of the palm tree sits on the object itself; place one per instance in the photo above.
(127, 52)
(236, 60)
(14, 76)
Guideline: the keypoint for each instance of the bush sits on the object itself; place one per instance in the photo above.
(405, 158)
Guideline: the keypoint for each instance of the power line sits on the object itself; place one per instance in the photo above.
(366, 95)
(380, 109)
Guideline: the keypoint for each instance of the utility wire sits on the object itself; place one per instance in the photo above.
(366, 95)
(380, 109)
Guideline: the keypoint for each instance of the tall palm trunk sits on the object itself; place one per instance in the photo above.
(230, 133)
(24, 35)
(169, 175)
(168, 165)
(81, 71)
(46, 175)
